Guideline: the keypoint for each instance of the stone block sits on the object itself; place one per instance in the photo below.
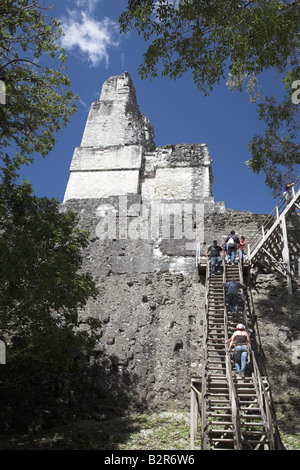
(107, 158)
(101, 184)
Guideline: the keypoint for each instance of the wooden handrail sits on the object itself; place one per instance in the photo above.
(267, 415)
(232, 392)
(204, 364)
(263, 402)
(198, 254)
(274, 215)
(262, 394)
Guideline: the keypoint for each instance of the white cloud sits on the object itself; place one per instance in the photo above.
(90, 37)
(88, 4)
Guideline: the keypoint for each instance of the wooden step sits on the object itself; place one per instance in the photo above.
(219, 349)
(218, 393)
(223, 423)
(222, 448)
(255, 414)
(217, 397)
(217, 377)
(223, 440)
(214, 402)
(260, 423)
(253, 441)
(248, 402)
(222, 431)
(254, 433)
(246, 395)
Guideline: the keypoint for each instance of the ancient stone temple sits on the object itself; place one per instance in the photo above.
(118, 156)
(140, 191)
(146, 207)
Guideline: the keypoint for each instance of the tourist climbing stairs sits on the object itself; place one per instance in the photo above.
(269, 245)
(235, 413)
(254, 432)
(217, 429)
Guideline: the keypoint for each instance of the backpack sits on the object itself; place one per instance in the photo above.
(230, 243)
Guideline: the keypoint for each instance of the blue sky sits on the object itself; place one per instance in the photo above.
(224, 120)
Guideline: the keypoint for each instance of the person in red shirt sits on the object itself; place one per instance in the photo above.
(241, 247)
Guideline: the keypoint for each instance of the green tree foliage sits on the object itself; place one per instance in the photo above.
(42, 285)
(41, 253)
(214, 37)
(276, 151)
(41, 290)
(38, 100)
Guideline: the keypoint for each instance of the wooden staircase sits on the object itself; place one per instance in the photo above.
(217, 428)
(235, 413)
(269, 246)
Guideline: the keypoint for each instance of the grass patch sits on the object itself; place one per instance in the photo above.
(134, 431)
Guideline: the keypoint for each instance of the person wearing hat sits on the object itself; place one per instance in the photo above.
(242, 346)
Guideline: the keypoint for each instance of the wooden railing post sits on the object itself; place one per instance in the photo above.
(204, 366)
(286, 256)
(232, 393)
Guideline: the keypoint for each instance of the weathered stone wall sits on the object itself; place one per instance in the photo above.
(146, 208)
(151, 316)
(177, 172)
(278, 342)
(219, 224)
(149, 342)
(150, 306)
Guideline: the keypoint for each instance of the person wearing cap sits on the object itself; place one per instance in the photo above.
(242, 346)
(214, 251)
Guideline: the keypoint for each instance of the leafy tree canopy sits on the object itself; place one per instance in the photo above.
(42, 290)
(212, 38)
(38, 100)
(41, 254)
(42, 284)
